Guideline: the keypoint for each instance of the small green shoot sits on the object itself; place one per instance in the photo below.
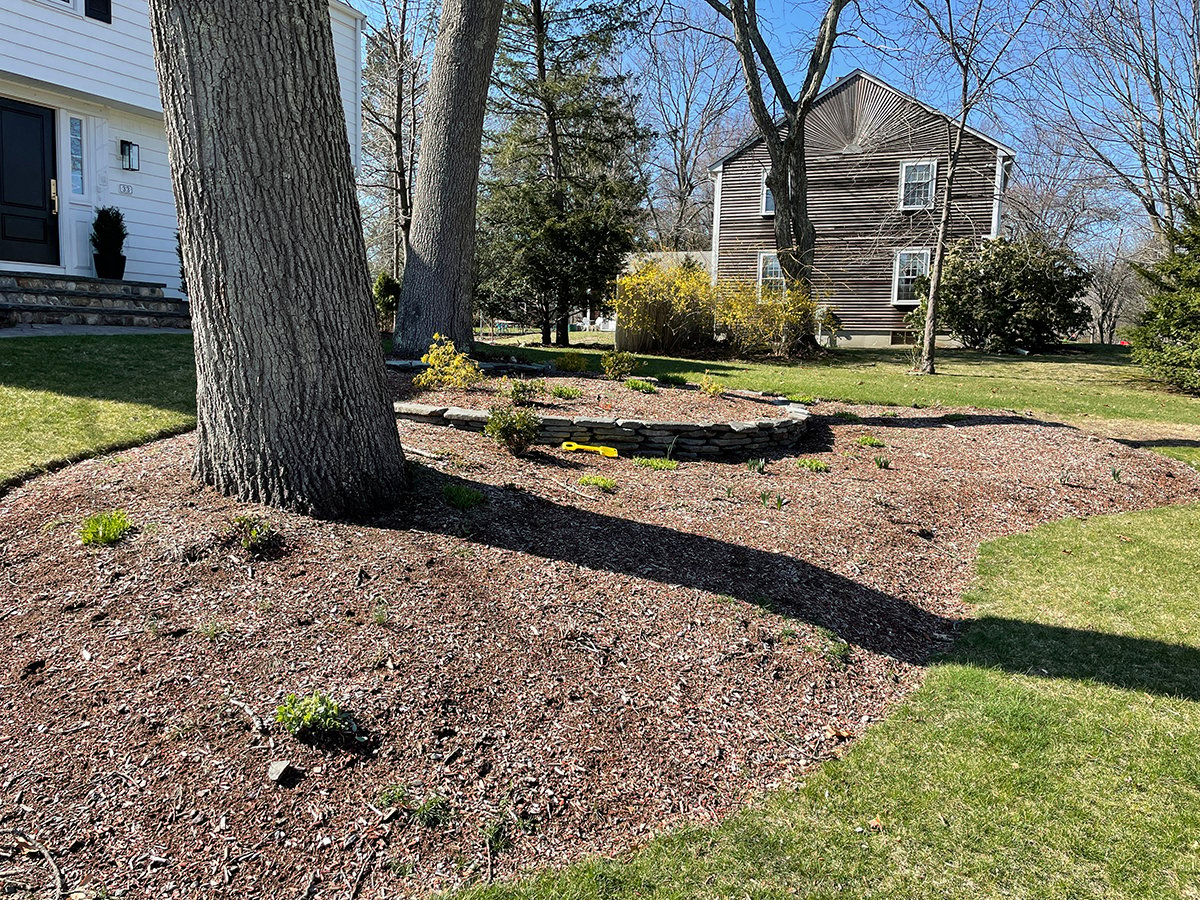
(756, 466)
(882, 462)
(566, 392)
(1116, 474)
(105, 528)
(461, 497)
(606, 484)
(869, 440)
(214, 630)
(642, 387)
(813, 465)
(497, 836)
(317, 716)
(380, 614)
(656, 462)
(431, 812)
(394, 796)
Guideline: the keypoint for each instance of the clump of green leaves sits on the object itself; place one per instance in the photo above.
(618, 364)
(672, 379)
(497, 835)
(317, 716)
(803, 400)
(1116, 474)
(380, 614)
(956, 417)
(462, 497)
(387, 299)
(778, 501)
(813, 465)
(394, 796)
(105, 528)
(448, 368)
(869, 440)
(832, 647)
(756, 466)
(606, 484)
(846, 416)
(214, 630)
(571, 361)
(523, 392)
(637, 384)
(514, 428)
(882, 462)
(431, 812)
(711, 386)
(255, 534)
(656, 462)
(566, 392)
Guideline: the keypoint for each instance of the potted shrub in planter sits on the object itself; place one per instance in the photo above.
(108, 240)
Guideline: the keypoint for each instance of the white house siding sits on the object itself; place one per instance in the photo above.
(54, 57)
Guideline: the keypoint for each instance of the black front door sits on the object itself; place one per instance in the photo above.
(28, 190)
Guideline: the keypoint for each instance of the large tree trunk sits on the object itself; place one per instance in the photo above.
(292, 403)
(438, 275)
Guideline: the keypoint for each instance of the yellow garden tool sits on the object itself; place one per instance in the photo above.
(610, 452)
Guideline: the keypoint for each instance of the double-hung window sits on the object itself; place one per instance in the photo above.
(768, 199)
(918, 181)
(770, 273)
(911, 266)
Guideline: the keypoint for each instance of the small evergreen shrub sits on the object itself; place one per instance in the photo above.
(618, 364)
(566, 392)
(813, 465)
(571, 361)
(514, 428)
(606, 484)
(642, 387)
(387, 300)
(448, 368)
(656, 462)
(711, 386)
(522, 392)
(317, 716)
(108, 231)
(1167, 342)
(869, 440)
(105, 528)
(461, 497)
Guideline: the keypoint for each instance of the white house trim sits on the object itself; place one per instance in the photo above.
(907, 251)
(933, 172)
(1003, 161)
(716, 228)
(763, 194)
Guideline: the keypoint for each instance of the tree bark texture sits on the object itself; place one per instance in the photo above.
(928, 363)
(439, 272)
(292, 402)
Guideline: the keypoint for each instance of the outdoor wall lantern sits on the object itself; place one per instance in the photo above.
(130, 157)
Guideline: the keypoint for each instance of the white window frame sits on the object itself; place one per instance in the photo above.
(71, 6)
(762, 259)
(907, 251)
(912, 163)
(762, 201)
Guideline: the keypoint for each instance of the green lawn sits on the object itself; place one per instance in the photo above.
(65, 398)
(1054, 754)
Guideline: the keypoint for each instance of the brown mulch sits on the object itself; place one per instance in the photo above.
(602, 397)
(586, 668)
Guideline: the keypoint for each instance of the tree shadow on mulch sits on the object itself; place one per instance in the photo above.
(878, 622)
(959, 420)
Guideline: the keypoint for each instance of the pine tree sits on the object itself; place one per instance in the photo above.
(1168, 341)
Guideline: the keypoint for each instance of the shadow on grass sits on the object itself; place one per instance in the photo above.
(862, 616)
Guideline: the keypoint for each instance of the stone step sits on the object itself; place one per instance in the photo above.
(34, 314)
(91, 300)
(30, 282)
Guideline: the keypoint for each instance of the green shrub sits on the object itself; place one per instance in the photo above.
(656, 462)
(711, 386)
(254, 533)
(317, 716)
(869, 440)
(643, 387)
(673, 380)
(603, 482)
(108, 231)
(1002, 295)
(523, 392)
(757, 321)
(516, 429)
(448, 368)
(566, 392)
(387, 300)
(813, 465)
(461, 497)
(618, 364)
(847, 416)
(1167, 342)
(664, 309)
(571, 361)
(105, 528)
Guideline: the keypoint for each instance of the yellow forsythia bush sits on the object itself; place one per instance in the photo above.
(761, 321)
(664, 309)
(448, 368)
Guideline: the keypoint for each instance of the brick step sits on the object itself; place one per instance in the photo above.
(29, 282)
(35, 314)
(90, 300)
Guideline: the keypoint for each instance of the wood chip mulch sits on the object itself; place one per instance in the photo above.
(571, 671)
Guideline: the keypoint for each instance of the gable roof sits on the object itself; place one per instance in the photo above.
(841, 83)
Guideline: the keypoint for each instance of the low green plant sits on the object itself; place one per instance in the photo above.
(431, 812)
(566, 392)
(764, 497)
(380, 614)
(803, 400)
(447, 367)
(103, 528)
(571, 361)
(656, 462)
(846, 416)
(523, 392)
(316, 716)
(832, 647)
(956, 417)
(497, 835)
(813, 465)
(882, 462)
(618, 364)
(255, 534)
(394, 796)
(711, 386)
(461, 497)
(606, 484)
(514, 428)
(869, 440)
(672, 379)
(637, 384)
(756, 466)
(213, 630)
(892, 414)
(780, 501)
(1116, 474)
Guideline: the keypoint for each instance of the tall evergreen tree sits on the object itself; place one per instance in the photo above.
(561, 192)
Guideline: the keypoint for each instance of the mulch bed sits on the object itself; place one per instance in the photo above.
(585, 668)
(602, 397)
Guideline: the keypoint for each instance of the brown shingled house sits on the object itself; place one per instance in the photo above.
(874, 156)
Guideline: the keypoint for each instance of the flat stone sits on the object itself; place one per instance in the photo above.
(742, 427)
(630, 423)
(467, 416)
(281, 771)
(557, 422)
(585, 422)
(423, 410)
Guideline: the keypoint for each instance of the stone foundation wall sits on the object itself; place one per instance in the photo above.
(645, 437)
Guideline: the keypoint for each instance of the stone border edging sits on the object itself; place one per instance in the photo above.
(650, 437)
